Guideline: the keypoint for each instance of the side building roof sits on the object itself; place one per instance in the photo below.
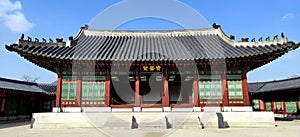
(277, 85)
(7, 85)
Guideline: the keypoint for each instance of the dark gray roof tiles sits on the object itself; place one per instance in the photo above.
(50, 88)
(151, 46)
(22, 86)
(280, 85)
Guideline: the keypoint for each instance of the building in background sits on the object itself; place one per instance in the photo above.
(19, 99)
(281, 96)
(157, 69)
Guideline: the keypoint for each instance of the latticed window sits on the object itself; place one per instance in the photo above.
(210, 89)
(255, 104)
(291, 106)
(93, 90)
(278, 106)
(268, 106)
(11, 105)
(235, 89)
(68, 90)
(47, 105)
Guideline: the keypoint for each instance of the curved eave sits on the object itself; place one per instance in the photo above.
(206, 45)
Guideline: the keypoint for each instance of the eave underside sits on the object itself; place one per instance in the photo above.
(239, 64)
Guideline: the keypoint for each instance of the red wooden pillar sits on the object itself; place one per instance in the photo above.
(245, 90)
(58, 92)
(196, 91)
(107, 90)
(52, 104)
(273, 106)
(165, 98)
(262, 105)
(3, 106)
(225, 90)
(137, 90)
(78, 90)
(297, 104)
(283, 107)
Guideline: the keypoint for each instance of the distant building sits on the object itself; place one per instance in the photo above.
(126, 69)
(280, 96)
(19, 99)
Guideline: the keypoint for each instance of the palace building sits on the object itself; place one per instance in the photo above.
(279, 96)
(19, 99)
(152, 69)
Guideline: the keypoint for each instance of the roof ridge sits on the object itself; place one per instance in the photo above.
(17, 81)
(272, 81)
(143, 33)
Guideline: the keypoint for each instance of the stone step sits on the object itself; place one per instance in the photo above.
(150, 120)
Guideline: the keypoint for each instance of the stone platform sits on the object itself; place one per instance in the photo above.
(159, 120)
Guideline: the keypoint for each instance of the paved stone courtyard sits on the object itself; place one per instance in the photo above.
(21, 129)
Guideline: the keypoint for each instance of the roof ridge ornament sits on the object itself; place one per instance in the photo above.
(232, 37)
(245, 39)
(29, 38)
(216, 26)
(22, 37)
(282, 35)
(85, 27)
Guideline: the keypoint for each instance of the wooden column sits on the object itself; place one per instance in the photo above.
(225, 99)
(78, 90)
(273, 106)
(262, 105)
(283, 107)
(297, 104)
(52, 104)
(137, 90)
(58, 92)
(3, 106)
(196, 91)
(107, 90)
(245, 90)
(165, 97)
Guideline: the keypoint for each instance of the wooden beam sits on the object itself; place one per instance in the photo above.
(225, 100)
(245, 90)
(58, 92)
(137, 90)
(196, 91)
(107, 90)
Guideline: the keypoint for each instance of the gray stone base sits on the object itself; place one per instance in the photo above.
(161, 120)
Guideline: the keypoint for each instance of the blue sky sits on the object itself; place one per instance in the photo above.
(54, 18)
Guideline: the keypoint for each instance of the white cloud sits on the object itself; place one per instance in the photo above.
(12, 17)
(287, 17)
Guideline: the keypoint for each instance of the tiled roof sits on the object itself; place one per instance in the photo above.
(22, 86)
(279, 85)
(50, 88)
(100, 45)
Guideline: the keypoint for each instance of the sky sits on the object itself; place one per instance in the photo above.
(57, 18)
